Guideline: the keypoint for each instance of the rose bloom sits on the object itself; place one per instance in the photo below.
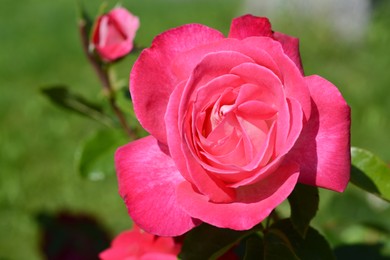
(136, 244)
(114, 33)
(234, 126)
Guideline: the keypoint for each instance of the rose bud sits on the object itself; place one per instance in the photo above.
(113, 34)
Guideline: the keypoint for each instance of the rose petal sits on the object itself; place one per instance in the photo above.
(250, 91)
(126, 244)
(249, 25)
(229, 152)
(291, 48)
(181, 149)
(186, 163)
(323, 150)
(151, 79)
(154, 256)
(114, 253)
(215, 88)
(147, 180)
(137, 244)
(270, 83)
(103, 30)
(126, 21)
(295, 124)
(255, 110)
(262, 77)
(290, 76)
(256, 202)
(212, 66)
(261, 165)
(184, 63)
(113, 52)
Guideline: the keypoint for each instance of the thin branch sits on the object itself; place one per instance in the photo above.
(104, 79)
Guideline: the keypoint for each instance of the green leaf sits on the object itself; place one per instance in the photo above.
(370, 173)
(84, 18)
(304, 204)
(312, 247)
(209, 242)
(361, 251)
(254, 248)
(123, 100)
(277, 246)
(95, 157)
(62, 97)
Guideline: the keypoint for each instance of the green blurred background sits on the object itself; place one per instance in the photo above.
(39, 46)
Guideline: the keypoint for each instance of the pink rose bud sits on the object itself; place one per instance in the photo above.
(234, 124)
(114, 33)
(137, 244)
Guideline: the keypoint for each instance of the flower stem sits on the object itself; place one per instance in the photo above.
(102, 72)
(274, 217)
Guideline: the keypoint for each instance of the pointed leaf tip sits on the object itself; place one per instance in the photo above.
(304, 202)
(370, 173)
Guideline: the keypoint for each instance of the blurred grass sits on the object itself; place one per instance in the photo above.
(39, 46)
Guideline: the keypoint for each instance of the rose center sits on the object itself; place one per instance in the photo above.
(234, 127)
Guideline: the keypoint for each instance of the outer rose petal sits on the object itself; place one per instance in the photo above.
(126, 21)
(257, 203)
(323, 150)
(291, 48)
(136, 244)
(293, 81)
(111, 253)
(147, 182)
(152, 80)
(159, 256)
(122, 247)
(249, 25)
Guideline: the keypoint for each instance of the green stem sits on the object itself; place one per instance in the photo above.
(102, 72)
(274, 217)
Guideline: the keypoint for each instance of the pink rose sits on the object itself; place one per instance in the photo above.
(234, 126)
(114, 33)
(136, 244)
